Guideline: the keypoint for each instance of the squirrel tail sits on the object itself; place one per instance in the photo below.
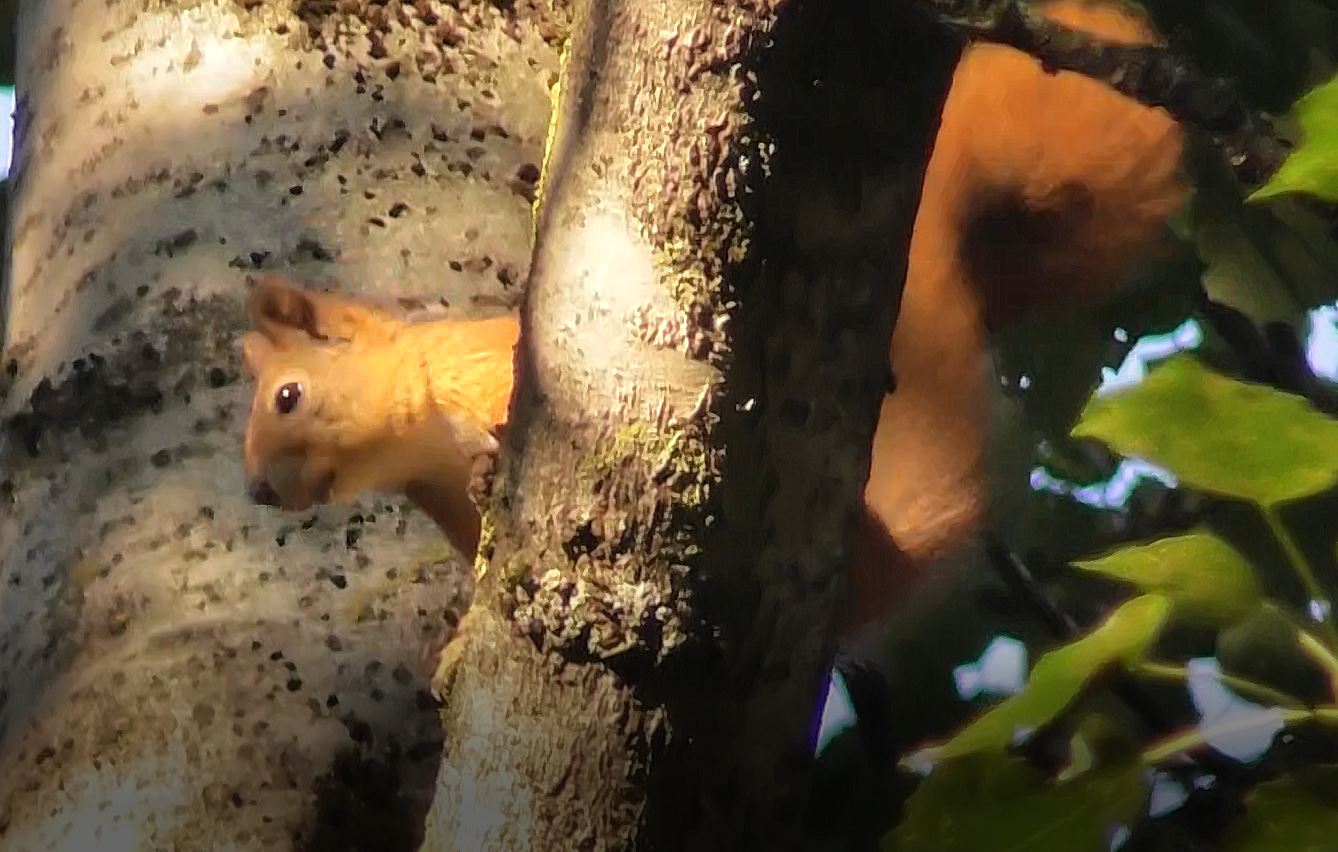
(1060, 182)
(1043, 190)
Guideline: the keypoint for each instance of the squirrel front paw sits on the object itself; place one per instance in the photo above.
(482, 472)
(449, 659)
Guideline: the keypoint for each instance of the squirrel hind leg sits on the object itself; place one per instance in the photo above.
(1009, 246)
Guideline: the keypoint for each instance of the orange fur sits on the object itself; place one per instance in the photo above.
(386, 405)
(1041, 191)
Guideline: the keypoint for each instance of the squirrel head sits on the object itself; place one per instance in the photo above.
(321, 366)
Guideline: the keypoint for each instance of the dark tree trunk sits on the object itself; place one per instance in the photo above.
(722, 237)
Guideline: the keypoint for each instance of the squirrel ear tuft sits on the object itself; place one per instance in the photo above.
(282, 310)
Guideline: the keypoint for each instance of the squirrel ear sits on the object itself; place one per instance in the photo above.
(256, 351)
(281, 309)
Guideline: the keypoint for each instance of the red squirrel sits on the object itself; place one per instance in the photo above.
(1042, 191)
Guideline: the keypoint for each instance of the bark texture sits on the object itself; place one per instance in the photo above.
(180, 669)
(722, 236)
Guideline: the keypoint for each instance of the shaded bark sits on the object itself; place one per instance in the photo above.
(180, 669)
(721, 242)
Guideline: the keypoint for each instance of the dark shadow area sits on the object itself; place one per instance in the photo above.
(850, 94)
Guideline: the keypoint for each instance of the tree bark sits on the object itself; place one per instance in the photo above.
(721, 241)
(180, 669)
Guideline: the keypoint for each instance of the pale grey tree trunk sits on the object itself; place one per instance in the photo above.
(180, 669)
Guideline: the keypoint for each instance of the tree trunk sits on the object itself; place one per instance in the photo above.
(722, 237)
(180, 669)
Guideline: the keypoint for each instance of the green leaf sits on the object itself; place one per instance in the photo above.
(1206, 578)
(1265, 648)
(1273, 262)
(1298, 813)
(1218, 434)
(993, 803)
(1311, 168)
(1058, 678)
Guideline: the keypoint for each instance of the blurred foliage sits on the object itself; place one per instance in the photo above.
(1273, 260)
(9, 10)
(1261, 648)
(1264, 446)
(1312, 168)
(995, 802)
(1060, 355)
(1058, 679)
(1217, 585)
(1274, 50)
(1203, 575)
(986, 788)
(1298, 812)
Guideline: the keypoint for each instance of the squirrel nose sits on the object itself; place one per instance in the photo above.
(264, 494)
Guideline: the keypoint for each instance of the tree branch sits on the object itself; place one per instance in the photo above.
(1154, 75)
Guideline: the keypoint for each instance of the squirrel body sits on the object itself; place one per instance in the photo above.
(1042, 191)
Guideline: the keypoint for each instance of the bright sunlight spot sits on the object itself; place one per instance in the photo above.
(1168, 795)
(1114, 493)
(1118, 836)
(7, 131)
(1237, 728)
(1318, 609)
(217, 68)
(1149, 348)
(1321, 349)
(838, 713)
(1000, 671)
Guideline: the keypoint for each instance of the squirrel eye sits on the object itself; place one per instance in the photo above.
(287, 397)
